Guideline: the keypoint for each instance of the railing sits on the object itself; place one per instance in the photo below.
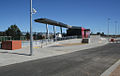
(65, 38)
(0, 45)
(45, 42)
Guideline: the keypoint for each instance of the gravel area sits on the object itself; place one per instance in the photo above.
(116, 72)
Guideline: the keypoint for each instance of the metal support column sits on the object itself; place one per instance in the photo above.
(47, 32)
(61, 30)
(54, 29)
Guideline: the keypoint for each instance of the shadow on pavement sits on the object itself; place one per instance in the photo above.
(16, 53)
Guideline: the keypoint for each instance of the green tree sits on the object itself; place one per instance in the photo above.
(39, 36)
(102, 34)
(98, 33)
(14, 31)
(2, 34)
(27, 35)
(35, 36)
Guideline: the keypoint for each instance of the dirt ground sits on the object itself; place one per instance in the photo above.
(116, 72)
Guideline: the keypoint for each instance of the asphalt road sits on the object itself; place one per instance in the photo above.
(90, 62)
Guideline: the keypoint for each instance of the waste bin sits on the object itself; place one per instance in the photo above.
(112, 40)
(85, 40)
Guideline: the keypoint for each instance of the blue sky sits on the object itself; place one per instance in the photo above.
(91, 14)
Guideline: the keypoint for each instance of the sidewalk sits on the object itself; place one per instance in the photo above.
(8, 57)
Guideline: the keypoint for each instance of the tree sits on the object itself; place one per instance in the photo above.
(39, 36)
(102, 34)
(14, 31)
(91, 33)
(3, 34)
(35, 36)
(27, 35)
(98, 33)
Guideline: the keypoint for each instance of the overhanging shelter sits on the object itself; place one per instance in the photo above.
(52, 22)
(71, 30)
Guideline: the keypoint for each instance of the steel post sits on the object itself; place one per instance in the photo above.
(54, 29)
(31, 35)
(61, 30)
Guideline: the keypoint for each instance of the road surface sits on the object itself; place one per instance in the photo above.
(90, 62)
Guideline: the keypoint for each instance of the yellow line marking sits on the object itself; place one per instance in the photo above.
(36, 47)
(70, 44)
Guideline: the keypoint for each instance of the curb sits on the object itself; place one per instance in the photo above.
(111, 69)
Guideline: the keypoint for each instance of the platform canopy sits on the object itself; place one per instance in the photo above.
(52, 22)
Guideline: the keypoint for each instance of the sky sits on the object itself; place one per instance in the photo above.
(92, 14)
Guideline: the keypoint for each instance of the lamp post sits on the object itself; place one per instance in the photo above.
(31, 35)
(115, 28)
(118, 29)
(108, 27)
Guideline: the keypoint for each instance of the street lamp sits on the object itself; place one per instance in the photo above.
(108, 27)
(118, 30)
(31, 35)
(32, 11)
(115, 28)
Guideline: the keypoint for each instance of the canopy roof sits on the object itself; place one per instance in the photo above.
(60, 24)
(76, 27)
(52, 22)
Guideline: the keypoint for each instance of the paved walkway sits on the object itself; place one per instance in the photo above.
(8, 57)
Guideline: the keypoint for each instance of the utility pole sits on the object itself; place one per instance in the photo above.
(31, 35)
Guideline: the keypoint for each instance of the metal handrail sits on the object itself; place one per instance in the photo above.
(44, 42)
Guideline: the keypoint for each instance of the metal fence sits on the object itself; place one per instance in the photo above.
(0, 45)
(45, 42)
(4, 38)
